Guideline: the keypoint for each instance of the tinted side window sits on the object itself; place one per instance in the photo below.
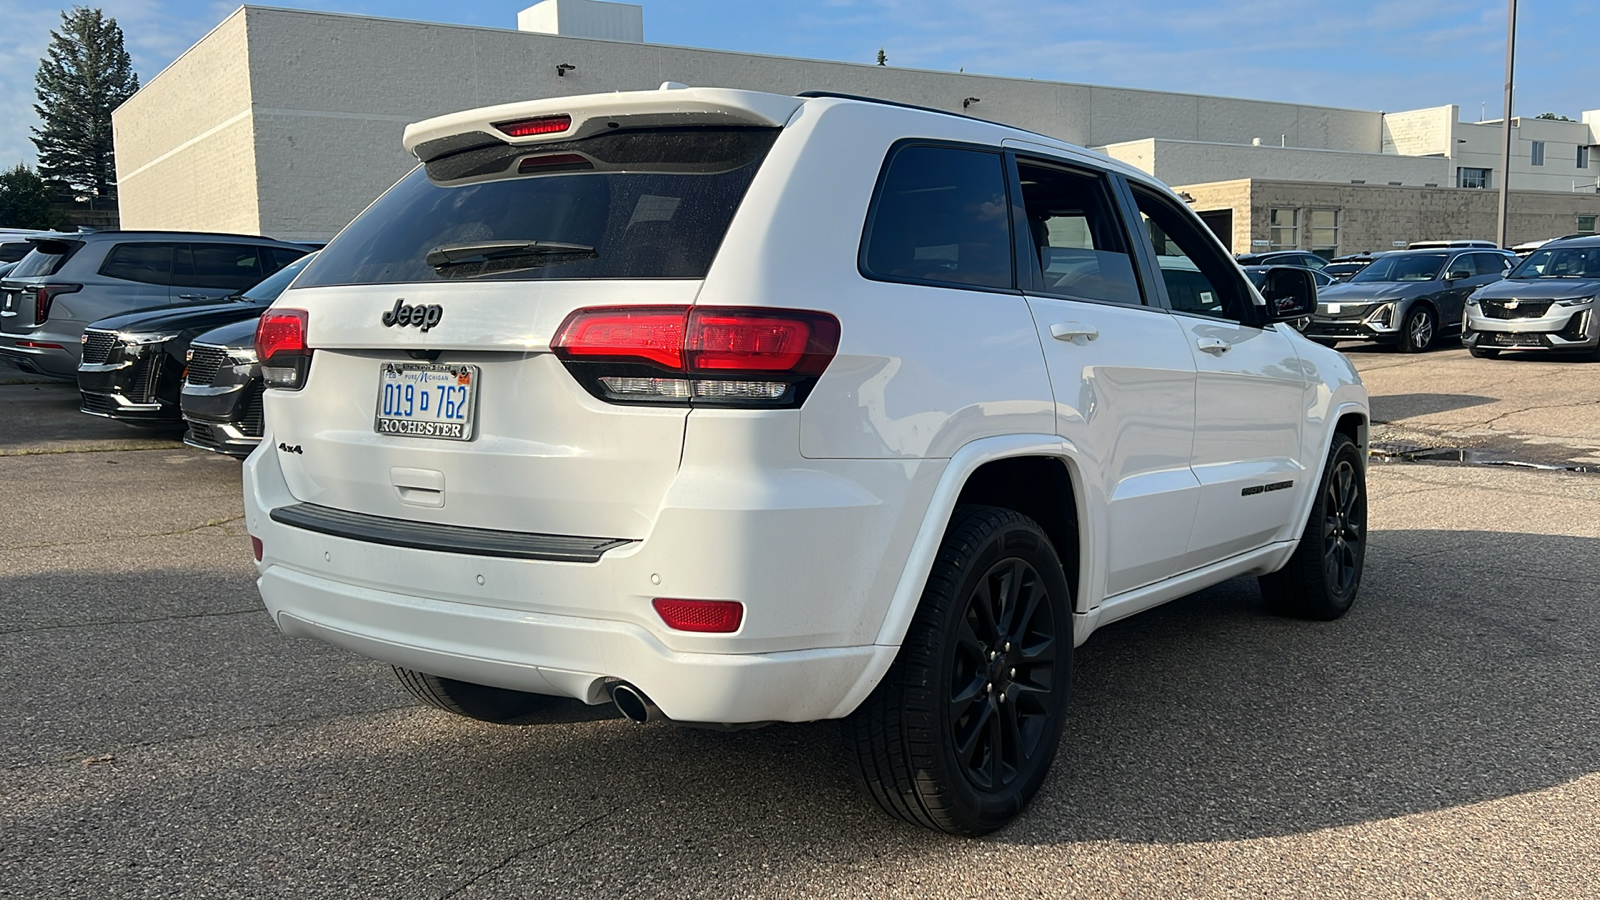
(1076, 236)
(148, 263)
(44, 259)
(941, 216)
(1490, 263)
(227, 266)
(282, 256)
(1198, 277)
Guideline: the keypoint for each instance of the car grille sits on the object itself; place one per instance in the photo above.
(1525, 309)
(97, 345)
(99, 404)
(141, 384)
(253, 421)
(201, 433)
(205, 364)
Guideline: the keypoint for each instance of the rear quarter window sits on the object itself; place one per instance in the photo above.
(940, 217)
(226, 266)
(46, 258)
(645, 203)
(148, 263)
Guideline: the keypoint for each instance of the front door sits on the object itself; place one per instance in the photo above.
(1250, 393)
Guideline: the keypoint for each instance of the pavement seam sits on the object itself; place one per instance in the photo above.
(528, 849)
(208, 615)
(214, 523)
(92, 448)
(77, 756)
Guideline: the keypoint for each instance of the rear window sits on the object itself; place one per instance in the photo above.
(648, 203)
(46, 259)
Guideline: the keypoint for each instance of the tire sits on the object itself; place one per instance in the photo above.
(1419, 330)
(1323, 576)
(962, 730)
(1483, 352)
(477, 701)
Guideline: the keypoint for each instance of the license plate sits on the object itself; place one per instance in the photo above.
(1517, 340)
(1333, 309)
(426, 400)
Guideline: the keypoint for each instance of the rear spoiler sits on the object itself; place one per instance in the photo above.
(571, 118)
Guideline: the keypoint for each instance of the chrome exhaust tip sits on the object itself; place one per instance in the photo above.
(633, 704)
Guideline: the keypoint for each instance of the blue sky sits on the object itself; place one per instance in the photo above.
(1366, 54)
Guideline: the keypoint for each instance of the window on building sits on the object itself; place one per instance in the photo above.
(1586, 224)
(1537, 153)
(1284, 228)
(1583, 157)
(1324, 231)
(1472, 178)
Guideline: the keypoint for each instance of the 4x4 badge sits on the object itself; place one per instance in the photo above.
(424, 316)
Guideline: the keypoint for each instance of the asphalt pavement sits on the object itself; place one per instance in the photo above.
(1441, 740)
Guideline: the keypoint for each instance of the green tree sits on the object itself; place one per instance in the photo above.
(883, 58)
(1551, 115)
(85, 75)
(25, 200)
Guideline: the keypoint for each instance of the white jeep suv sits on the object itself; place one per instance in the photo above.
(730, 407)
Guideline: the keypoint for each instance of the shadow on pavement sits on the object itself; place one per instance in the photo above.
(1393, 407)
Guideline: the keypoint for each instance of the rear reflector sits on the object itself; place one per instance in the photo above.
(38, 345)
(706, 616)
(255, 547)
(531, 127)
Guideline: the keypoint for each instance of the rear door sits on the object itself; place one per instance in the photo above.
(465, 271)
(1251, 390)
(143, 273)
(1120, 369)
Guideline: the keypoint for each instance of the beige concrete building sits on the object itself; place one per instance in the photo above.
(287, 123)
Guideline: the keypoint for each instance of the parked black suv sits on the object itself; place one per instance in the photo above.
(135, 365)
(1302, 258)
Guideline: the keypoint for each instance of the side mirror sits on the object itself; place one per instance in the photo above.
(1290, 292)
(1455, 274)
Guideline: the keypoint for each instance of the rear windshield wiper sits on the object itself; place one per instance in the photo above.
(495, 254)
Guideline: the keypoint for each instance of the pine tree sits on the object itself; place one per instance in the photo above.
(25, 200)
(86, 74)
(883, 58)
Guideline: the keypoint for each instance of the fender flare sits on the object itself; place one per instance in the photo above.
(935, 520)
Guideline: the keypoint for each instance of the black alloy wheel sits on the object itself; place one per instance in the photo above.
(1323, 575)
(961, 732)
(1417, 332)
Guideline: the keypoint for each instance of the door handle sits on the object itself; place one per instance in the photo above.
(1066, 331)
(194, 296)
(1214, 346)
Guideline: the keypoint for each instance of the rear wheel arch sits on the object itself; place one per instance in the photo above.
(1041, 488)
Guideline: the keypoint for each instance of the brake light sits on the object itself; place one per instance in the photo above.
(531, 127)
(281, 347)
(706, 616)
(46, 294)
(732, 356)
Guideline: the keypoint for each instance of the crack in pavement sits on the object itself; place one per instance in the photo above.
(214, 523)
(92, 448)
(100, 624)
(76, 757)
(541, 845)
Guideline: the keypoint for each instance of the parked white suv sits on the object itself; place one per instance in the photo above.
(731, 408)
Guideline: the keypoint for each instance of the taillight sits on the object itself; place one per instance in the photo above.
(531, 127)
(46, 294)
(281, 348)
(706, 616)
(698, 355)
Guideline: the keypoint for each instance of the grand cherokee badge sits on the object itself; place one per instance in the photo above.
(424, 316)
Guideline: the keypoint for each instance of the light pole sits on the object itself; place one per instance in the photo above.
(1505, 123)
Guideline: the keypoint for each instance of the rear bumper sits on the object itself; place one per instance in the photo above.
(51, 362)
(815, 566)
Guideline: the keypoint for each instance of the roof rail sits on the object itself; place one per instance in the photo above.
(812, 95)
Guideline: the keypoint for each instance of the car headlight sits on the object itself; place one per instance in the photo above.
(1383, 314)
(1575, 301)
(128, 338)
(1472, 301)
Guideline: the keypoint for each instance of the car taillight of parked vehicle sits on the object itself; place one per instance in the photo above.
(46, 294)
(698, 355)
(281, 347)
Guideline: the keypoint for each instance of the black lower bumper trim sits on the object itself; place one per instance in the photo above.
(445, 538)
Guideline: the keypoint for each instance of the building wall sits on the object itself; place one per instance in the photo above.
(1420, 132)
(329, 95)
(185, 143)
(1375, 217)
(1189, 162)
(1478, 145)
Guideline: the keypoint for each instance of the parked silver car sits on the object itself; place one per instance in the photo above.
(70, 280)
(1546, 303)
